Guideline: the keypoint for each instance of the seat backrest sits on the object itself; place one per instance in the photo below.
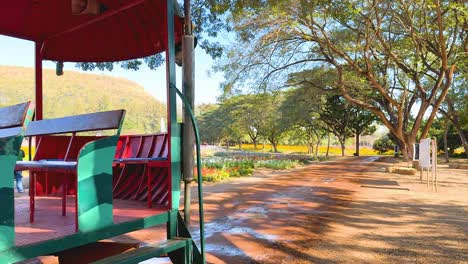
(13, 115)
(79, 123)
(12, 119)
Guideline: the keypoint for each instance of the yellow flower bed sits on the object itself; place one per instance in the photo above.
(334, 151)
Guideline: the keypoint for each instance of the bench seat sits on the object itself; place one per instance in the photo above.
(90, 169)
(140, 166)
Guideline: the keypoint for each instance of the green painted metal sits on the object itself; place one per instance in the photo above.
(94, 196)
(151, 251)
(183, 231)
(199, 173)
(81, 238)
(9, 149)
(174, 130)
(29, 115)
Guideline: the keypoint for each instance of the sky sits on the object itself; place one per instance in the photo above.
(17, 52)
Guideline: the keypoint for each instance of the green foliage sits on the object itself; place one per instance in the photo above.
(277, 164)
(384, 144)
(237, 117)
(78, 93)
(335, 114)
(453, 137)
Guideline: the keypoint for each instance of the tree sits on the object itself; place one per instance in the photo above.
(236, 117)
(404, 53)
(274, 128)
(447, 136)
(361, 122)
(455, 104)
(210, 122)
(383, 144)
(248, 113)
(334, 113)
(301, 111)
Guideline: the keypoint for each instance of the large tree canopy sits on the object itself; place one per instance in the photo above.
(394, 58)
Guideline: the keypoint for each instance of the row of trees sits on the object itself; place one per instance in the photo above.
(304, 116)
(398, 59)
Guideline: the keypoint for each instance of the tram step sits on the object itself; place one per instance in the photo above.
(182, 245)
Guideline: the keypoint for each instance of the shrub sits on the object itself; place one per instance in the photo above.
(383, 144)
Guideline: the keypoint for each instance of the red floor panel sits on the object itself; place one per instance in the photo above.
(49, 222)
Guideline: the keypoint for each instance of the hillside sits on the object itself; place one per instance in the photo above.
(77, 93)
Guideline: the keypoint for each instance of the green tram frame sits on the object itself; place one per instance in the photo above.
(176, 228)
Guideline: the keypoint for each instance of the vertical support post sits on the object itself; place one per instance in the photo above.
(173, 128)
(38, 74)
(188, 89)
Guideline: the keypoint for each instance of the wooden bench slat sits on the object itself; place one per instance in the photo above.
(13, 116)
(79, 123)
(10, 132)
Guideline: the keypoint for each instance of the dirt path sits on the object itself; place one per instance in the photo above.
(341, 212)
(396, 218)
(277, 217)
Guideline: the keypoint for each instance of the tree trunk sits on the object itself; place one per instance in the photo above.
(446, 155)
(255, 144)
(310, 148)
(273, 143)
(328, 144)
(357, 145)
(407, 147)
(457, 126)
(317, 148)
(342, 143)
(240, 144)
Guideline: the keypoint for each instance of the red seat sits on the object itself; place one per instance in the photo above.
(139, 170)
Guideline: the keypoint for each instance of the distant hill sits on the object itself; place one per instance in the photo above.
(78, 93)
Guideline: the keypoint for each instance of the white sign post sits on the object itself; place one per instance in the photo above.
(428, 160)
(434, 165)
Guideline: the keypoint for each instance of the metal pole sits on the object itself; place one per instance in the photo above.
(173, 129)
(188, 89)
(38, 73)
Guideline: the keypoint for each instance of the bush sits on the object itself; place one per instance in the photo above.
(383, 144)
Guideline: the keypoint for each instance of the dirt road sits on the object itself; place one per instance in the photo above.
(276, 217)
(348, 211)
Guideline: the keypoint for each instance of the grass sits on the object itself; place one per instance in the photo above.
(277, 164)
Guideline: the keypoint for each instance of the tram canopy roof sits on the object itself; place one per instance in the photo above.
(98, 31)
